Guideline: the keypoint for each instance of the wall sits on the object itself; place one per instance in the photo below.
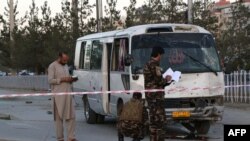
(39, 82)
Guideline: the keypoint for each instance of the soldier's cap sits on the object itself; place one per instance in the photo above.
(137, 95)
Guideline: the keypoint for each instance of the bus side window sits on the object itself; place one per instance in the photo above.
(96, 56)
(120, 50)
(87, 56)
(109, 47)
(82, 55)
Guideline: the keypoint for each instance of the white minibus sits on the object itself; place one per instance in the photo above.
(112, 61)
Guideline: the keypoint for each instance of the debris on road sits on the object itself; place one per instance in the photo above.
(5, 117)
(28, 102)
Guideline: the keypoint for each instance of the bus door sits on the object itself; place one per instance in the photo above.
(95, 77)
(119, 73)
(105, 97)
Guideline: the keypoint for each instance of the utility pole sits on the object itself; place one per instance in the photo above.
(75, 26)
(190, 11)
(99, 15)
(11, 18)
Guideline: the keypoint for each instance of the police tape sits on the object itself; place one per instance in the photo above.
(79, 93)
(177, 89)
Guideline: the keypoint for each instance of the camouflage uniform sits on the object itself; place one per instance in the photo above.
(130, 127)
(153, 80)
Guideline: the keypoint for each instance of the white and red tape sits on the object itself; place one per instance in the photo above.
(113, 92)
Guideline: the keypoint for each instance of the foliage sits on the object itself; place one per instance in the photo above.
(39, 37)
(203, 16)
(113, 15)
(234, 42)
(155, 11)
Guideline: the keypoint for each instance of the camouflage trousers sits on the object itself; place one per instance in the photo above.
(130, 129)
(157, 118)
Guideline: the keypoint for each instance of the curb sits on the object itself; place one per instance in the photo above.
(5, 117)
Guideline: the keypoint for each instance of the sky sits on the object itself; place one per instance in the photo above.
(55, 5)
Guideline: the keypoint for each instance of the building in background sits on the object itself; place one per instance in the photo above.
(222, 10)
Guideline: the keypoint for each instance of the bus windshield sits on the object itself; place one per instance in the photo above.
(185, 52)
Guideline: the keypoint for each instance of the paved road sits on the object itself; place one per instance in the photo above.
(30, 121)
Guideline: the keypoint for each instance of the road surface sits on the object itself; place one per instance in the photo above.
(30, 119)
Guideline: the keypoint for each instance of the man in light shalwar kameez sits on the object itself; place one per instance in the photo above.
(63, 106)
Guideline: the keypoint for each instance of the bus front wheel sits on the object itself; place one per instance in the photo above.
(100, 118)
(90, 115)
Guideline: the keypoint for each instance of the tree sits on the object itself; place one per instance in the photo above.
(91, 26)
(156, 11)
(7, 45)
(85, 11)
(112, 15)
(26, 41)
(149, 12)
(39, 36)
(203, 16)
(174, 11)
(131, 18)
(4, 46)
(235, 40)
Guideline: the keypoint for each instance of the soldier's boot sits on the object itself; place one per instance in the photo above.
(120, 137)
(153, 136)
(157, 136)
(161, 138)
(161, 135)
(136, 139)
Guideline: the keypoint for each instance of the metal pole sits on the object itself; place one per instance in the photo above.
(11, 19)
(11, 14)
(99, 15)
(190, 11)
(75, 26)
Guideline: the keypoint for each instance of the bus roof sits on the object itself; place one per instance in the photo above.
(142, 29)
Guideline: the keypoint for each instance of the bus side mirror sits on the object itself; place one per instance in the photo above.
(128, 60)
(71, 69)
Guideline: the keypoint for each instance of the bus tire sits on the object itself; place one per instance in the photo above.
(119, 107)
(90, 115)
(202, 127)
(100, 118)
(92, 119)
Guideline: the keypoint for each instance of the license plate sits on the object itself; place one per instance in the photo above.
(179, 114)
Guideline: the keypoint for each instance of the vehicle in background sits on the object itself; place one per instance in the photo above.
(3, 73)
(25, 72)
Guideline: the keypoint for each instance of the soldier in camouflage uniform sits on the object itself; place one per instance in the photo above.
(128, 124)
(154, 80)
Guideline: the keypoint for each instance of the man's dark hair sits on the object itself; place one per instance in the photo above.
(60, 54)
(156, 51)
